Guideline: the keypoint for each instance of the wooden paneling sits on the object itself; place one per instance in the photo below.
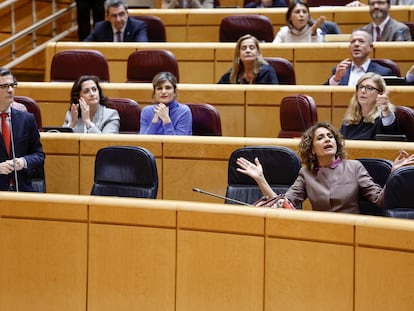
(121, 253)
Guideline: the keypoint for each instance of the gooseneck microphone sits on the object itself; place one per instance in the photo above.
(16, 181)
(221, 197)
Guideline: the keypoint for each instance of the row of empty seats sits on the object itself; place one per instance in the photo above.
(137, 177)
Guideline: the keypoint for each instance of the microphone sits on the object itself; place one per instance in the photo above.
(221, 197)
(16, 182)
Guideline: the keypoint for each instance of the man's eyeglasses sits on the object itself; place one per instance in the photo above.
(6, 86)
(367, 88)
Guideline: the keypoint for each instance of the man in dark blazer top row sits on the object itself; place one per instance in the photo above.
(348, 71)
(25, 139)
(118, 21)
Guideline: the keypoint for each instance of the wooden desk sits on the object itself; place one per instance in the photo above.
(206, 62)
(78, 253)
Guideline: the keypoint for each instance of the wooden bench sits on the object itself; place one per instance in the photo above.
(100, 253)
(204, 62)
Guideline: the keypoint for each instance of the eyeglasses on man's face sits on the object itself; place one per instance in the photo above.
(367, 88)
(6, 86)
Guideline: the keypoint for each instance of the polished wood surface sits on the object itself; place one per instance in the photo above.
(102, 253)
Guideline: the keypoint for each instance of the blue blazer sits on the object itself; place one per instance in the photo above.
(26, 144)
(135, 31)
(372, 67)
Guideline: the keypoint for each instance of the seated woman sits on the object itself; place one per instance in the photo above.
(328, 180)
(370, 111)
(249, 66)
(166, 116)
(88, 112)
(300, 26)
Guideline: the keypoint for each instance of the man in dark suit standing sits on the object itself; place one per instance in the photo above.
(118, 27)
(383, 27)
(348, 71)
(20, 147)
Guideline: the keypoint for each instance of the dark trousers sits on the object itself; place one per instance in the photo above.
(84, 8)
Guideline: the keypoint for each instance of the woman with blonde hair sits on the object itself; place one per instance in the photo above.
(249, 66)
(370, 111)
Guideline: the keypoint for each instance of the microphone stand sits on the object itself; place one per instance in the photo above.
(16, 182)
(221, 197)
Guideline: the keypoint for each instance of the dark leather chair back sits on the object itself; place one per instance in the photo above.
(38, 174)
(143, 65)
(284, 69)
(155, 28)
(379, 169)
(32, 107)
(327, 2)
(232, 27)
(410, 25)
(405, 116)
(125, 171)
(245, 2)
(297, 114)
(280, 164)
(129, 113)
(390, 64)
(69, 65)
(398, 195)
(206, 120)
(330, 28)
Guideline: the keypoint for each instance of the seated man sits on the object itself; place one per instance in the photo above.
(393, 2)
(118, 27)
(348, 71)
(383, 27)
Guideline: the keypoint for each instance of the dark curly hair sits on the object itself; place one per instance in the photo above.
(306, 144)
(77, 86)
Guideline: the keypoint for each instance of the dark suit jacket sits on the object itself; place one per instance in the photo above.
(275, 4)
(135, 31)
(26, 144)
(390, 30)
(372, 67)
(329, 27)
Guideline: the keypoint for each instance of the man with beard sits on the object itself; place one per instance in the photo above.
(383, 27)
(348, 71)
